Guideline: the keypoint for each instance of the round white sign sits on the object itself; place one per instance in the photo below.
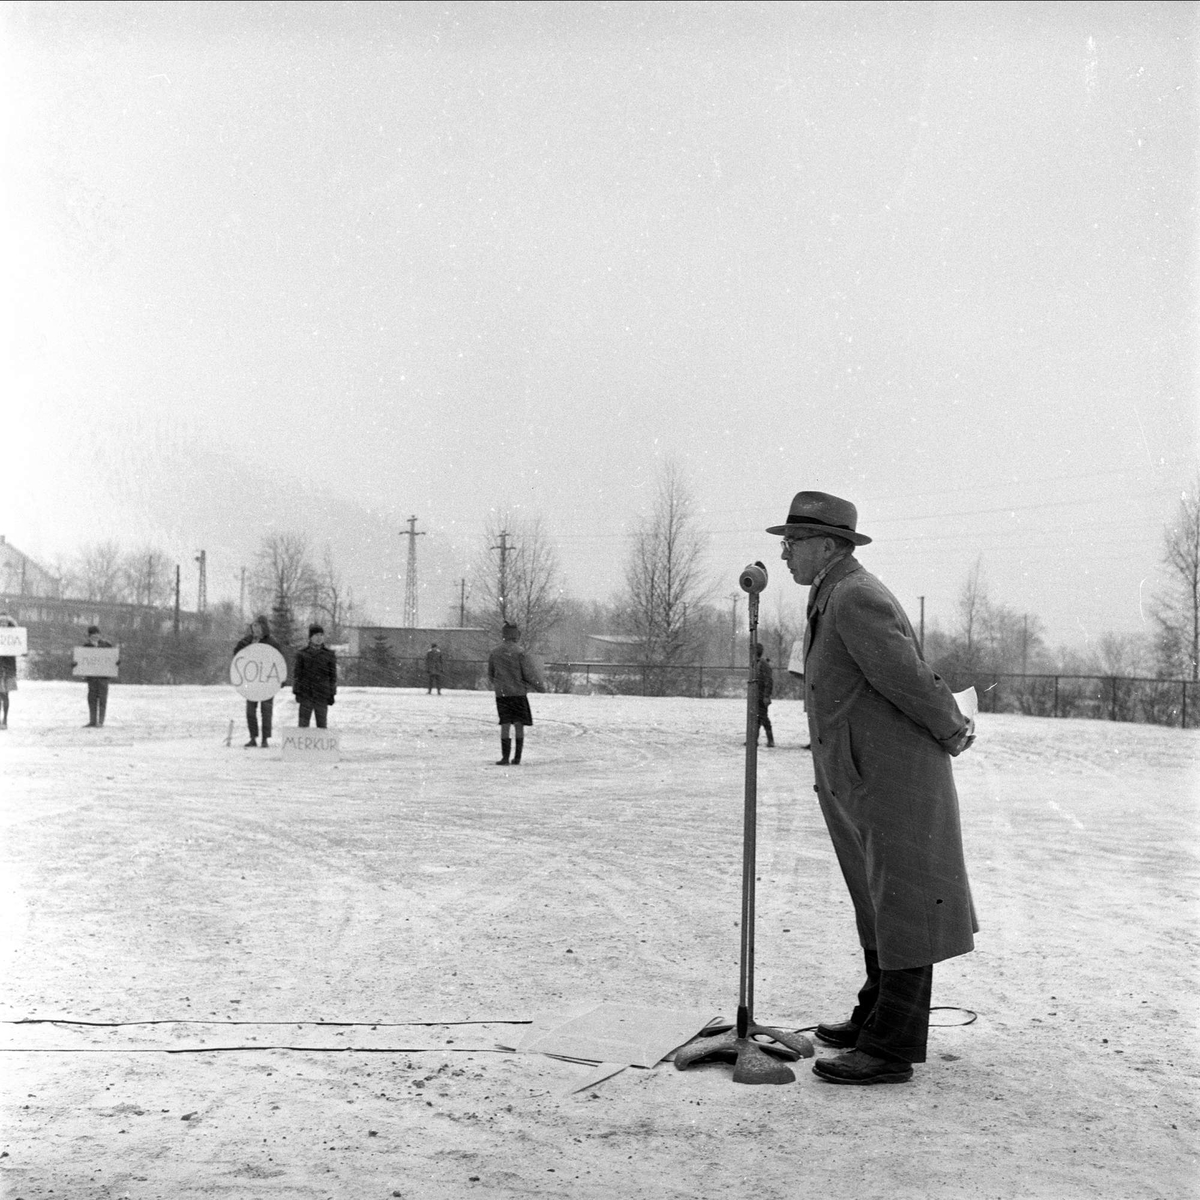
(258, 671)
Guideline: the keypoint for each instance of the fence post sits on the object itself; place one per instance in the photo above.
(700, 683)
(1112, 708)
(1056, 695)
(1183, 705)
(643, 680)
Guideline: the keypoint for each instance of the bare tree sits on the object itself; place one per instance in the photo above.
(148, 577)
(1009, 640)
(1122, 654)
(664, 578)
(782, 628)
(1177, 609)
(98, 575)
(972, 604)
(329, 600)
(283, 580)
(517, 578)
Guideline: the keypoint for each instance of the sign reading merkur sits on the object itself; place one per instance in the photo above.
(311, 745)
(258, 671)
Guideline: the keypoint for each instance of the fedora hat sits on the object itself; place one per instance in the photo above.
(819, 512)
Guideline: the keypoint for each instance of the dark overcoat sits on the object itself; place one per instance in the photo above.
(314, 674)
(879, 719)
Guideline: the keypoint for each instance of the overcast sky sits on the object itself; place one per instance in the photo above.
(323, 266)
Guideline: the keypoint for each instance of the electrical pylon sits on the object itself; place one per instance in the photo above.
(202, 590)
(410, 575)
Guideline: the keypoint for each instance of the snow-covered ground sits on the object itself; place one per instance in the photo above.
(153, 874)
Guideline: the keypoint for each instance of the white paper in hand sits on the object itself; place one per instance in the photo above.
(968, 702)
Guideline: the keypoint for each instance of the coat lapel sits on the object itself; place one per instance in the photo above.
(820, 596)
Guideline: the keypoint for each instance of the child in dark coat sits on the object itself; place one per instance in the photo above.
(314, 678)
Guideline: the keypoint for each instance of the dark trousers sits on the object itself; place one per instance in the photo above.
(97, 700)
(435, 681)
(764, 722)
(893, 1011)
(268, 707)
(308, 707)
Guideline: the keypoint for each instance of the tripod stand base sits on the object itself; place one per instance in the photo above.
(754, 1061)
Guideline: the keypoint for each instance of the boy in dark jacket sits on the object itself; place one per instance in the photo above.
(766, 688)
(314, 678)
(97, 692)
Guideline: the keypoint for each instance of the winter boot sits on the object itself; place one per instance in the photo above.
(505, 747)
(519, 747)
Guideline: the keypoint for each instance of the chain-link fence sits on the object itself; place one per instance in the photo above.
(620, 679)
(1101, 697)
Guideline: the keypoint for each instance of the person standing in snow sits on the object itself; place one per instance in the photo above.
(883, 728)
(512, 674)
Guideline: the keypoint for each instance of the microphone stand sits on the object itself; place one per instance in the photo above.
(755, 1050)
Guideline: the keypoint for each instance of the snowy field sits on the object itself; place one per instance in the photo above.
(151, 874)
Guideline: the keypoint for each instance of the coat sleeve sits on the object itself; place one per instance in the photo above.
(530, 673)
(878, 638)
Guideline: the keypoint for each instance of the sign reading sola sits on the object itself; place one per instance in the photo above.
(258, 671)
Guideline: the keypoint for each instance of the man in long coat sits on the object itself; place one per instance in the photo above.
(883, 727)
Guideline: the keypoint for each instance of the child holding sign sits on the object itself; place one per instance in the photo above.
(260, 631)
(8, 673)
(97, 684)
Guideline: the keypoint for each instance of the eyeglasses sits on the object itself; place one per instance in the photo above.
(790, 543)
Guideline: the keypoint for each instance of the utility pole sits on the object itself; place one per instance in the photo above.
(504, 548)
(1024, 643)
(176, 599)
(242, 597)
(202, 590)
(462, 604)
(410, 575)
(922, 599)
(734, 597)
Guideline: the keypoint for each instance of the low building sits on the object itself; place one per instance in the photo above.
(407, 642)
(386, 656)
(616, 647)
(21, 576)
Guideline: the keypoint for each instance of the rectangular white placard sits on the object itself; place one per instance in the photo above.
(13, 640)
(92, 661)
(311, 745)
(796, 658)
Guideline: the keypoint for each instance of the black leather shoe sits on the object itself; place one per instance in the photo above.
(843, 1034)
(856, 1066)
